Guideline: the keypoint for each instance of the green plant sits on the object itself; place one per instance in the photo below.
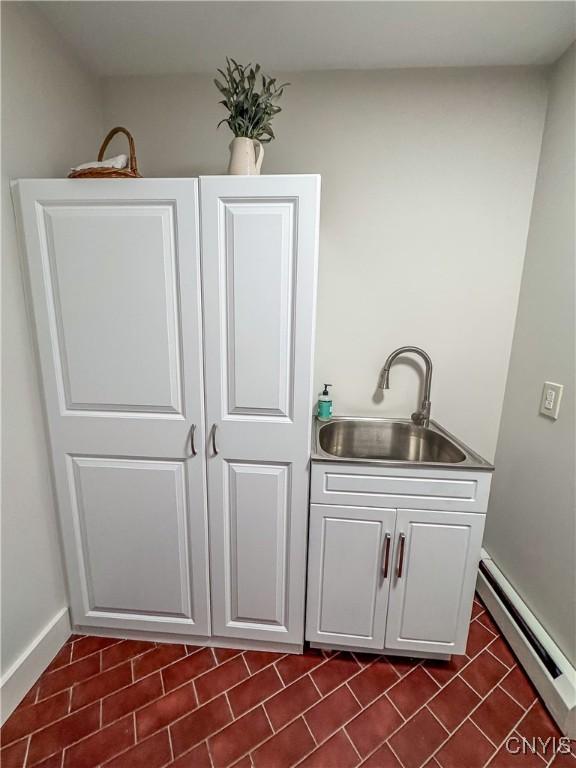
(251, 107)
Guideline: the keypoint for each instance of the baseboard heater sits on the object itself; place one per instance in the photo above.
(523, 627)
(549, 670)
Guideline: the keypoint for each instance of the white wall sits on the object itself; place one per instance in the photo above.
(51, 115)
(428, 178)
(531, 530)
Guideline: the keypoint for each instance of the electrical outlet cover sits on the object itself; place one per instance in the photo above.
(550, 402)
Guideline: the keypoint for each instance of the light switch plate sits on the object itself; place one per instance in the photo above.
(550, 402)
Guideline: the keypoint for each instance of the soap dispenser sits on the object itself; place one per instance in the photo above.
(325, 404)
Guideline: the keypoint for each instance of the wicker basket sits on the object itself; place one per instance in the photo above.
(130, 172)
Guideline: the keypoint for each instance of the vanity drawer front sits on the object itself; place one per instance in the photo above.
(375, 486)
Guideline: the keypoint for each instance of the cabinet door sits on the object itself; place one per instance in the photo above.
(114, 275)
(349, 569)
(259, 243)
(435, 567)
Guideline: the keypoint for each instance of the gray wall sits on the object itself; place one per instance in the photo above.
(427, 185)
(51, 117)
(531, 531)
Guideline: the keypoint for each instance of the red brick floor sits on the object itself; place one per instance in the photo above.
(125, 704)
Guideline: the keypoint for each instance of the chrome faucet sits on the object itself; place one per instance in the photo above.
(422, 416)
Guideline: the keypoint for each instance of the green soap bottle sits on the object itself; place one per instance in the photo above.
(325, 404)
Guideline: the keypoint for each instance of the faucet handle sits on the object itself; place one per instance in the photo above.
(421, 417)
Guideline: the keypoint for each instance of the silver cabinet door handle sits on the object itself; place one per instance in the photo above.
(193, 450)
(401, 554)
(387, 539)
(214, 446)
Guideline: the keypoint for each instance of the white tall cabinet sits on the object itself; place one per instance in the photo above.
(177, 370)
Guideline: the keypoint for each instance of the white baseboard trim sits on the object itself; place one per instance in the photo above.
(21, 676)
(558, 694)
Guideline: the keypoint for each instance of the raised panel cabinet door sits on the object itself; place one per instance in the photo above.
(435, 566)
(114, 270)
(259, 262)
(349, 569)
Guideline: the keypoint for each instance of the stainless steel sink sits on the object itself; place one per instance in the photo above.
(392, 441)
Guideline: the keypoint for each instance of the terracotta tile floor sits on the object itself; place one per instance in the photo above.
(126, 704)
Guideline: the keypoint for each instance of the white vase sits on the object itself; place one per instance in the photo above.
(246, 157)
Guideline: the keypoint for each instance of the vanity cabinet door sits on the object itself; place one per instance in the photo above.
(436, 557)
(349, 569)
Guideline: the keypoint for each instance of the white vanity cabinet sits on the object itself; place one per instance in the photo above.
(177, 374)
(393, 578)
